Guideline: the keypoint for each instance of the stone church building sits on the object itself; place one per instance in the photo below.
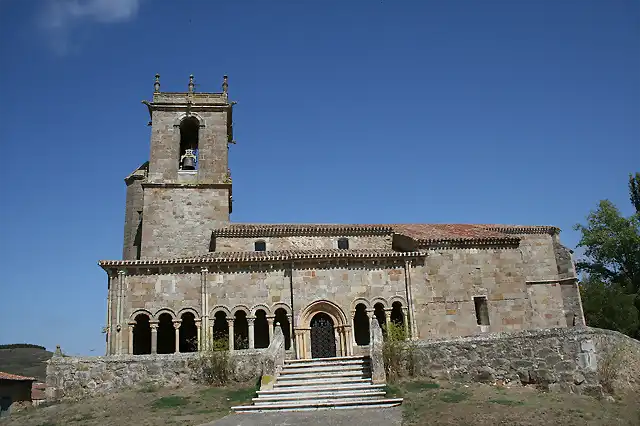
(189, 276)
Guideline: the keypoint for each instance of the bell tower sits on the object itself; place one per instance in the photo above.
(186, 187)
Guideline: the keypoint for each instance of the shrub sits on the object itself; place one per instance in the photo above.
(609, 367)
(213, 365)
(398, 353)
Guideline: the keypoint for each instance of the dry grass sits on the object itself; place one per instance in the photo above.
(192, 405)
(427, 403)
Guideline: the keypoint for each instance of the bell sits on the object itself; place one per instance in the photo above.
(188, 160)
(189, 163)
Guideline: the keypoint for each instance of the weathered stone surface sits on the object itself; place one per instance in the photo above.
(272, 360)
(378, 374)
(530, 357)
(78, 377)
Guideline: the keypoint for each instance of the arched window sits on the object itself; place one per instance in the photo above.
(240, 331)
(142, 335)
(381, 316)
(188, 333)
(189, 129)
(397, 319)
(261, 330)
(220, 331)
(343, 243)
(166, 334)
(361, 325)
(260, 245)
(282, 319)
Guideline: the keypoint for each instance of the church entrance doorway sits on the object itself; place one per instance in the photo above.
(323, 340)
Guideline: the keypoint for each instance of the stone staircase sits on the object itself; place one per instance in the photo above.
(322, 383)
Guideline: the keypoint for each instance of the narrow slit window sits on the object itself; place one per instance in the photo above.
(482, 310)
(260, 246)
(343, 243)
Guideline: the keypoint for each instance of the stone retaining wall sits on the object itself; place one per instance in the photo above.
(564, 359)
(78, 377)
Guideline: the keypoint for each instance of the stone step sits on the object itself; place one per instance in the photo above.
(317, 396)
(322, 374)
(319, 381)
(317, 360)
(324, 368)
(361, 387)
(309, 363)
(306, 401)
(289, 406)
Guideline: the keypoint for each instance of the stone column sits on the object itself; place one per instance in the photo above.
(108, 326)
(405, 321)
(270, 322)
(290, 317)
(252, 343)
(298, 344)
(154, 336)
(204, 308)
(131, 325)
(387, 316)
(199, 328)
(119, 310)
(176, 326)
(231, 334)
(350, 341)
(411, 318)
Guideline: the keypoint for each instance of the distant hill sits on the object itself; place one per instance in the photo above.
(25, 359)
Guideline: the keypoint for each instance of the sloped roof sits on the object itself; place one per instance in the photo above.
(9, 376)
(417, 231)
(267, 256)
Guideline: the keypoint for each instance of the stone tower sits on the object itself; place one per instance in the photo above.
(183, 192)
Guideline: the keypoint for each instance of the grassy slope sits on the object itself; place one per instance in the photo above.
(192, 405)
(428, 403)
(425, 403)
(29, 362)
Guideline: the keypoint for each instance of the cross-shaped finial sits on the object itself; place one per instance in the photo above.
(156, 85)
(225, 84)
(191, 85)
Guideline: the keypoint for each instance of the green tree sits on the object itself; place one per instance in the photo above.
(611, 265)
(609, 306)
(634, 191)
(612, 247)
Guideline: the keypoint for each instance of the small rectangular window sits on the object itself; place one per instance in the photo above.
(482, 310)
(343, 243)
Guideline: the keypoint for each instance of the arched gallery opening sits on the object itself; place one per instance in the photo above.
(142, 335)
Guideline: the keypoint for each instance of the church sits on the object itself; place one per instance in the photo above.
(189, 276)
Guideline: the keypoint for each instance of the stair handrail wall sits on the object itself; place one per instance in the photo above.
(376, 341)
(273, 359)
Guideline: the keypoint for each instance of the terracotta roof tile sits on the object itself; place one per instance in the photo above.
(418, 231)
(266, 256)
(9, 376)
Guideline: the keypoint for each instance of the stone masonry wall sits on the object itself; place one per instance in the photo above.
(177, 222)
(443, 291)
(134, 203)
(380, 242)
(165, 146)
(565, 359)
(80, 377)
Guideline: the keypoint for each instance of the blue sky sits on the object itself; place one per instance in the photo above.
(459, 111)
